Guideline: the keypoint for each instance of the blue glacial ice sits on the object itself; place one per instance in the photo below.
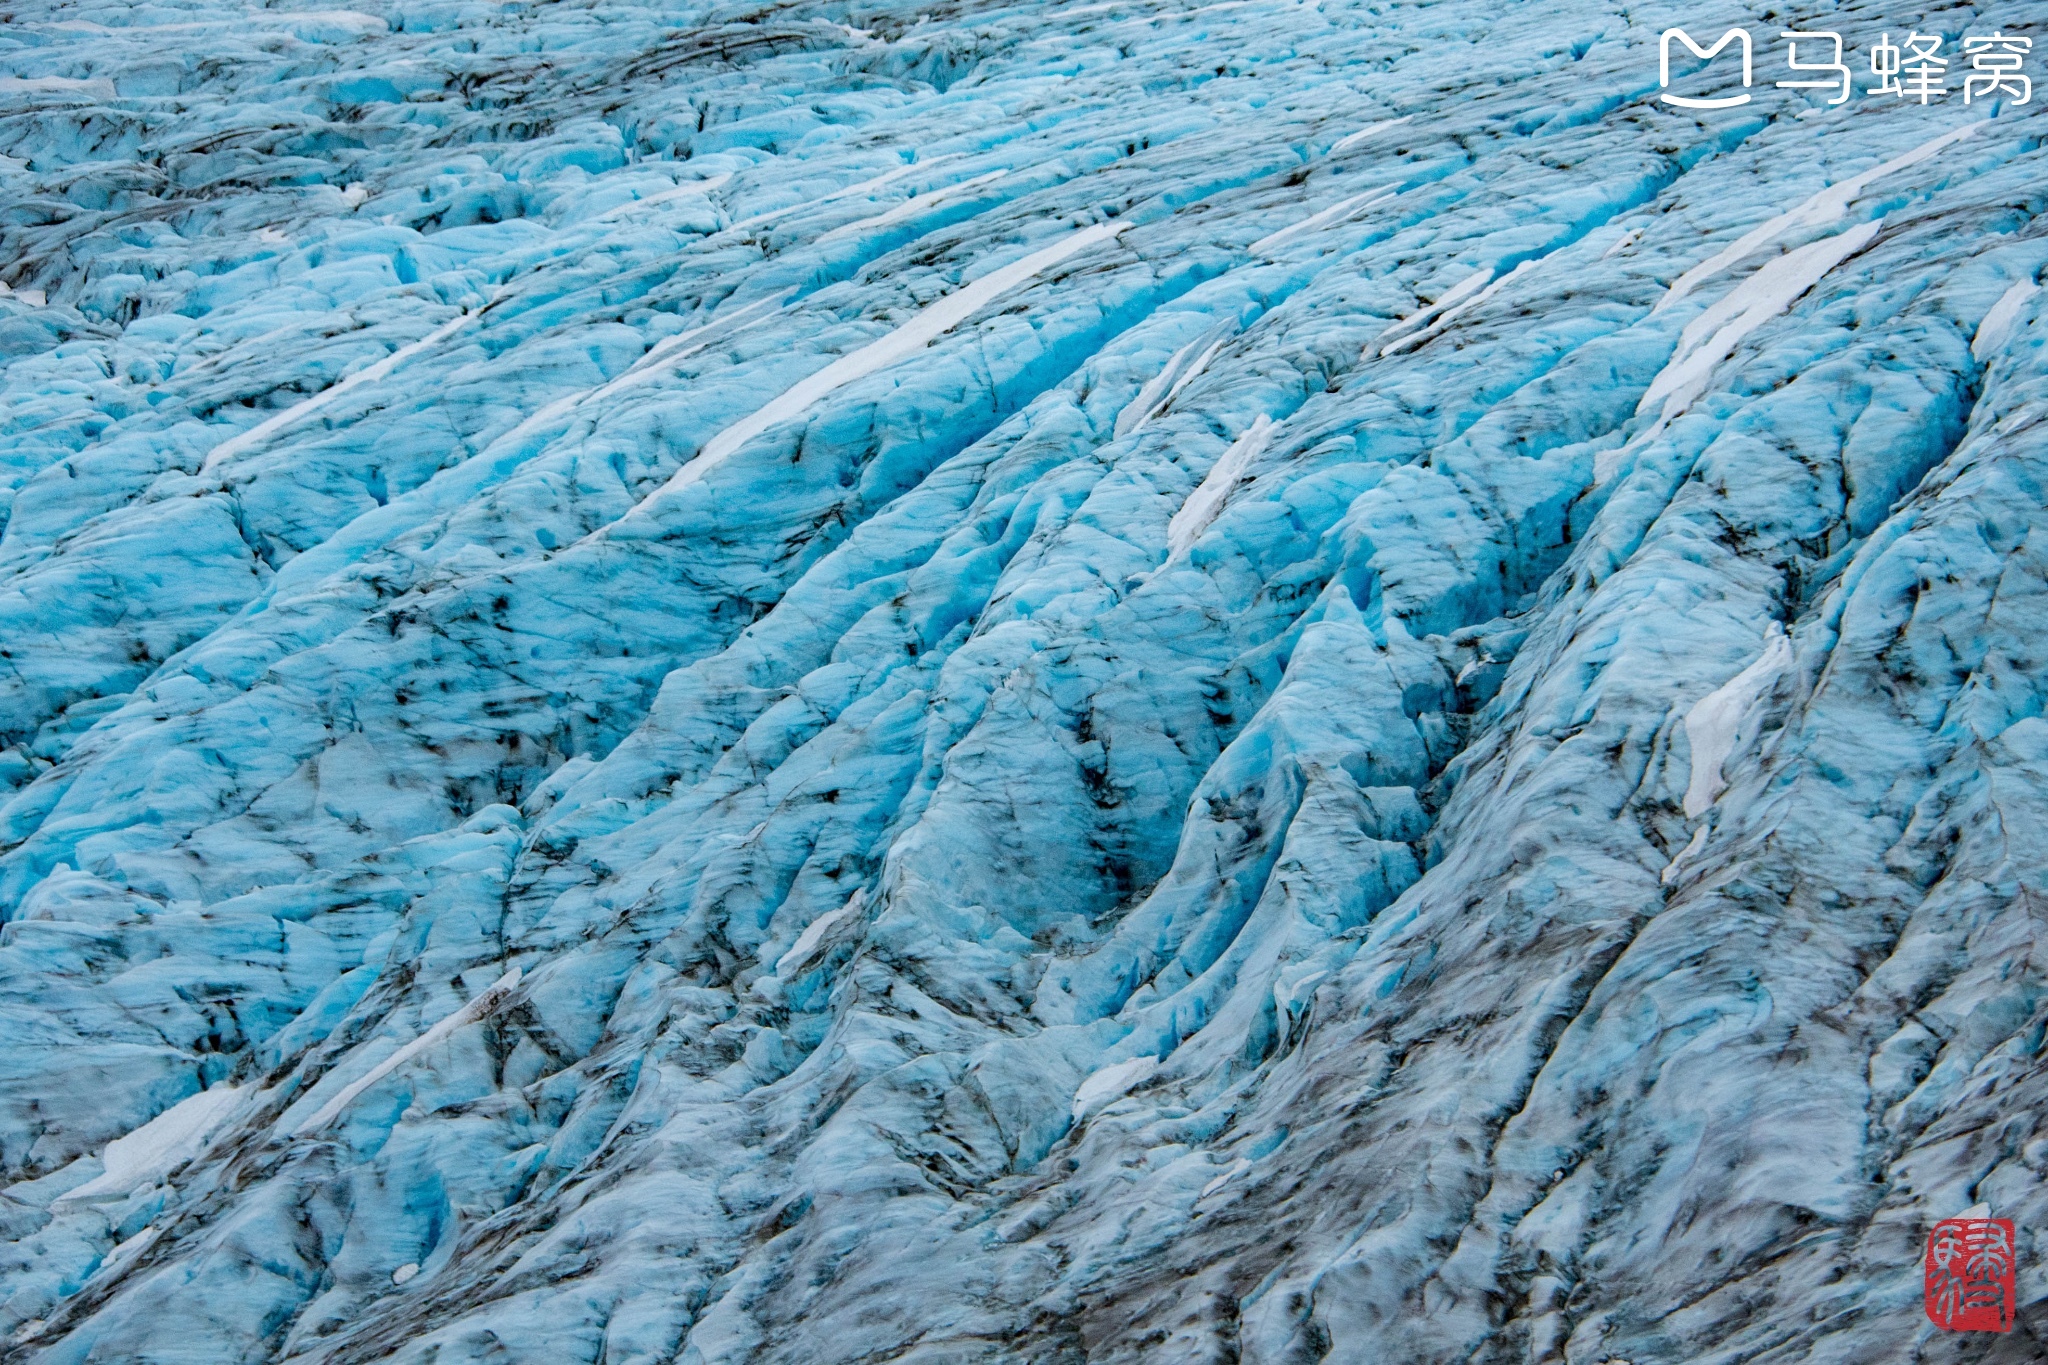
(822, 682)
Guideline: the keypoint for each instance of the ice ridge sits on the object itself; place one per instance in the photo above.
(1143, 682)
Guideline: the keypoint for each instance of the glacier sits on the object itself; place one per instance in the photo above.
(812, 681)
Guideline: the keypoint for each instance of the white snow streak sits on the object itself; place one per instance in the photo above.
(807, 942)
(886, 178)
(1451, 297)
(1150, 394)
(57, 85)
(1110, 1082)
(1998, 323)
(932, 322)
(1692, 846)
(1160, 389)
(1828, 206)
(362, 25)
(1237, 1168)
(652, 366)
(1189, 375)
(1452, 315)
(162, 1145)
(1109, 5)
(124, 1255)
(369, 374)
(1715, 720)
(1623, 242)
(1337, 212)
(1750, 304)
(476, 1009)
(914, 205)
(1206, 502)
(1346, 143)
(695, 189)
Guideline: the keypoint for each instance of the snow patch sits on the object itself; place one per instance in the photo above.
(1237, 1168)
(1622, 243)
(914, 205)
(1110, 1082)
(1999, 323)
(931, 323)
(1716, 719)
(1193, 372)
(1692, 846)
(1205, 504)
(1160, 390)
(369, 374)
(162, 1145)
(476, 1009)
(1453, 314)
(1151, 394)
(1452, 296)
(1345, 144)
(1828, 206)
(1750, 304)
(807, 942)
(1338, 212)
(876, 183)
(696, 189)
(57, 85)
(652, 366)
(123, 1256)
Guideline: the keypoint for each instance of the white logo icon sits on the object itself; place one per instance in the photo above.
(1705, 54)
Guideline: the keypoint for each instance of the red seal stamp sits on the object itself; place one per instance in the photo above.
(1972, 1274)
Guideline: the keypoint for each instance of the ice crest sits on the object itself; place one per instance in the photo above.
(1255, 681)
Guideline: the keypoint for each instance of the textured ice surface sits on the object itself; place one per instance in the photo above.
(1156, 682)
